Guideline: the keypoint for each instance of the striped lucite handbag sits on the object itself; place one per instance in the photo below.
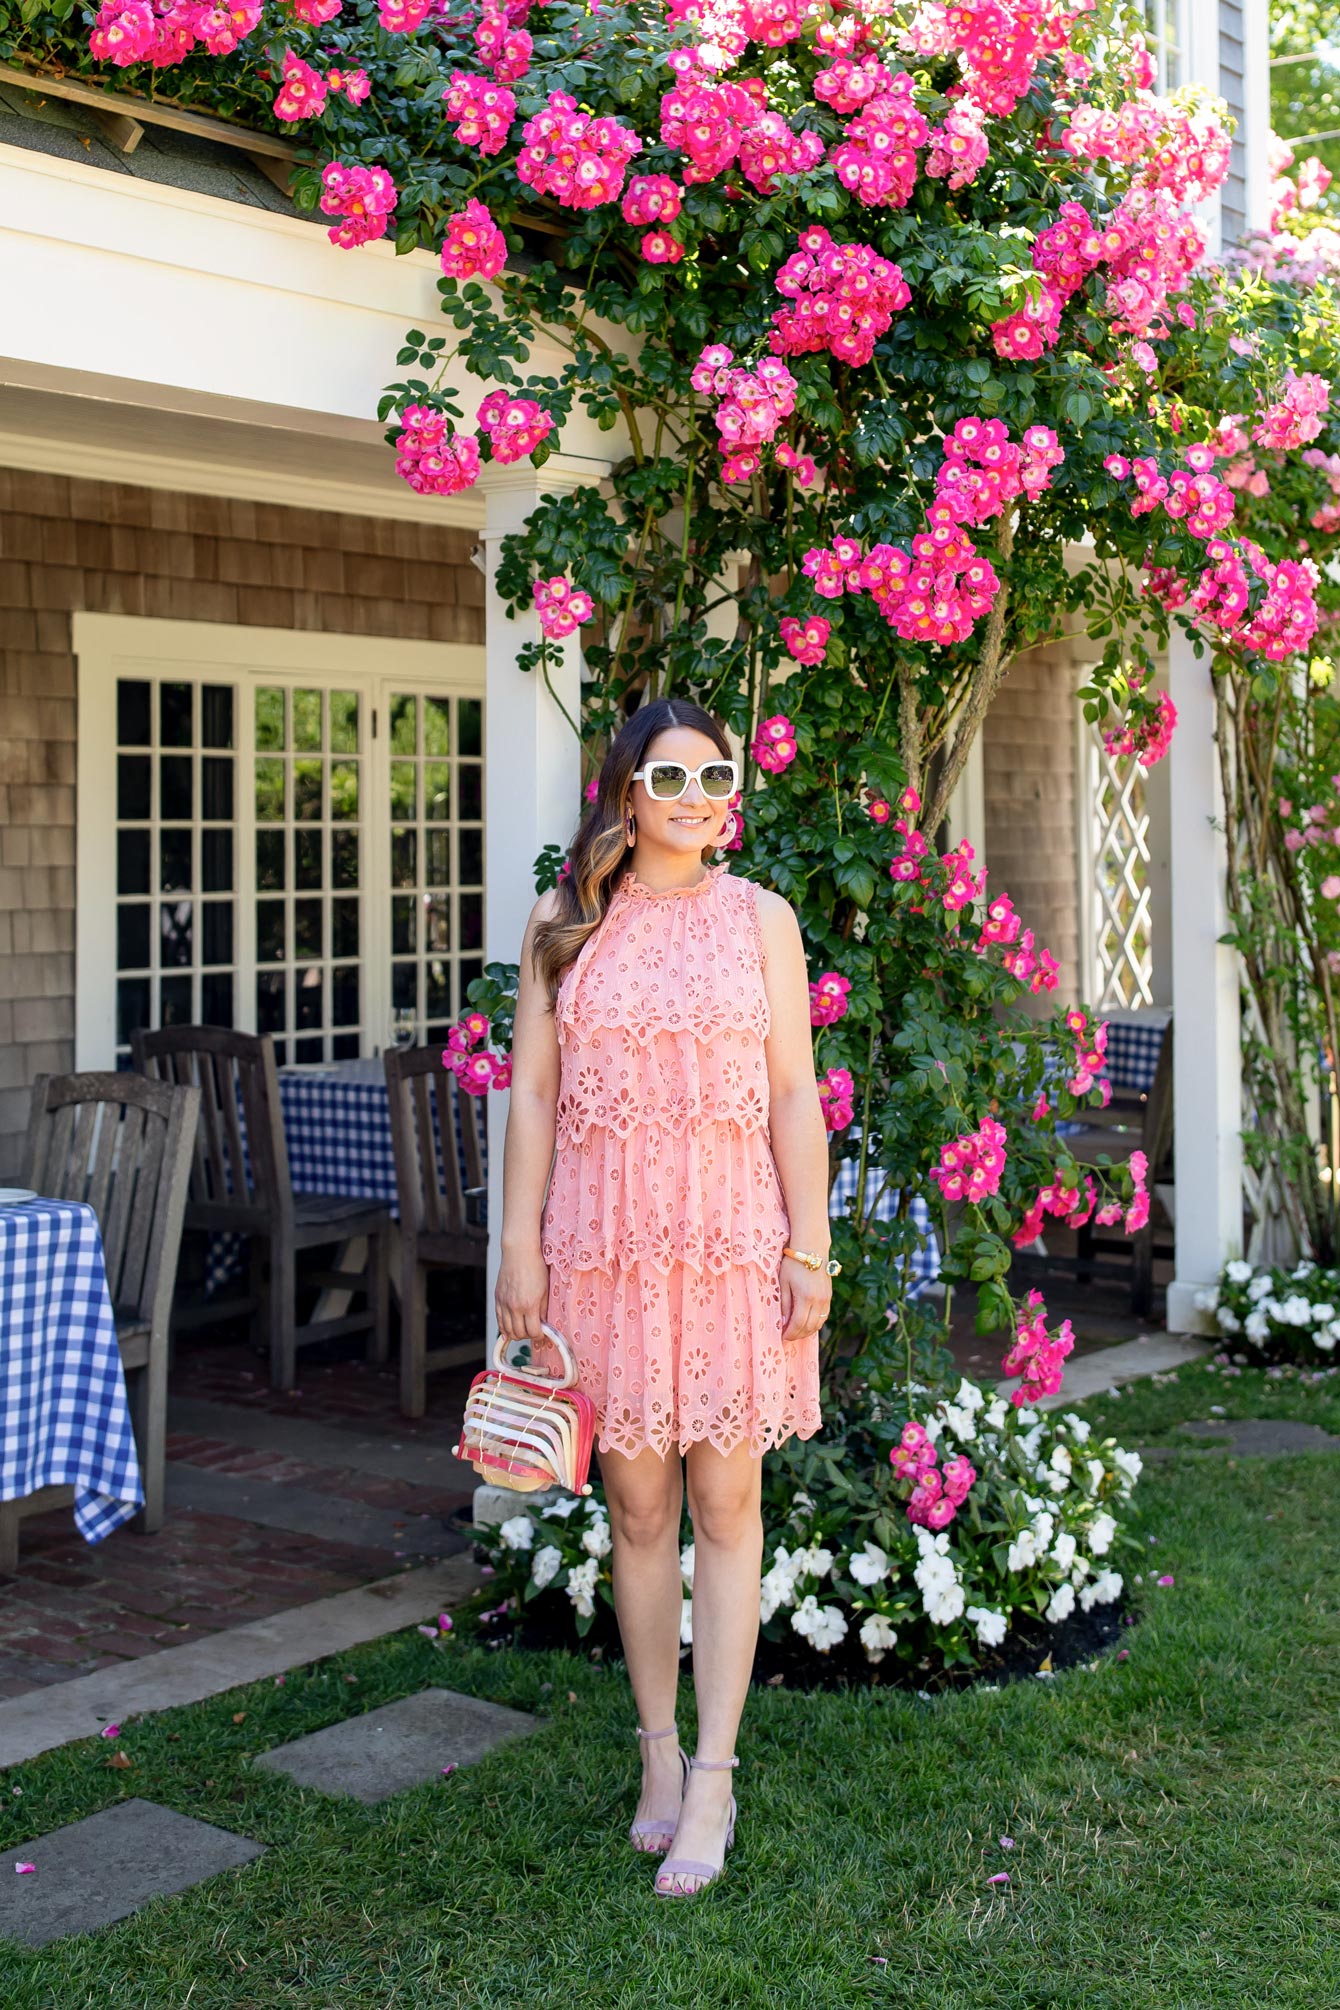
(526, 1431)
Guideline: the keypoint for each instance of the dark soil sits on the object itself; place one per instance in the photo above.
(790, 1663)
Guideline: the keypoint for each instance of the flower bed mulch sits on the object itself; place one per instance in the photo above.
(1031, 1648)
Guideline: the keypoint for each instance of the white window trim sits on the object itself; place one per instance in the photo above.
(111, 645)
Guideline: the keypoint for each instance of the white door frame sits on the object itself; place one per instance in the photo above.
(108, 646)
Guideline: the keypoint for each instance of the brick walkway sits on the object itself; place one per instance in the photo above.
(72, 1609)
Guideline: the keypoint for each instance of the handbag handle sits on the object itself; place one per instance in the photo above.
(551, 1333)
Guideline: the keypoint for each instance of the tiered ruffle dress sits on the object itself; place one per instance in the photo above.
(665, 1222)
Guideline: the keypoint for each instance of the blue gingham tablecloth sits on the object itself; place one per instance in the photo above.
(1134, 1042)
(925, 1262)
(64, 1417)
(337, 1128)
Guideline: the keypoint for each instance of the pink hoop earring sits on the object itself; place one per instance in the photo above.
(727, 837)
(629, 827)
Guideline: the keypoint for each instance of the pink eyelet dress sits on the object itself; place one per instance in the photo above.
(665, 1222)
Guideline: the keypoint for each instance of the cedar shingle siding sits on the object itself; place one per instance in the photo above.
(1231, 65)
(105, 548)
(1028, 769)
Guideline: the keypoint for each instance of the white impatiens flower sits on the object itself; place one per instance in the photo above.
(518, 1533)
(567, 1504)
(1229, 1321)
(934, 1427)
(1326, 1341)
(686, 1622)
(1296, 1310)
(1105, 1587)
(869, 1564)
(1023, 1551)
(548, 1562)
(1044, 1528)
(1081, 1570)
(686, 1558)
(1080, 1431)
(991, 1626)
(812, 1562)
(1062, 1603)
(1238, 1272)
(1101, 1531)
(1323, 1314)
(582, 1585)
(960, 1422)
(878, 1635)
(1130, 1464)
(998, 1414)
(968, 1396)
(1260, 1287)
(822, 1625)
(937, 1579)
(779, 1583)
(1061, 1461)
(596, 1540)
(1207, 1301)
(1063, 1550)
(1029, 1442)
(1097, 1472)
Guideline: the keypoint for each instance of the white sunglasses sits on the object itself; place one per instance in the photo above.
(667, 781)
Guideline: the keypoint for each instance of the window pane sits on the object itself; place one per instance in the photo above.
(437, 987)
(270, 931)
(344, 791)
(345, 1047)
(174, 861)
(216, 921)
(174, 934)
(269, 861)
(132, 861)
(307, 930)
(469, 968)
(404, 856)
(307, 721)
(132, 937)
(437, 921)
(132, 712)
(132, 787)
(439, 858)
(344, 858)
(174, 715)
(132, 1008)
(403, 726)
(269, 721)
(309, 988)
(344, 995)
(216, 790)
(216, 716)
(176, 800)
(269, 791)
(404, 908)
(307, 791)
(472, 857)
(309, 1050)
(307, 859)
(469, 726)
(216, 860)
(344, 928)
(174, 1002)
(404, 789)
(436, 791)
(472, 921)
(404, 986)
(344, 722)
(437, 725)
(216, 998)
(270, 1012)
(469, 792)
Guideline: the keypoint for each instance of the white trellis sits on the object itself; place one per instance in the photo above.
(1121, 941)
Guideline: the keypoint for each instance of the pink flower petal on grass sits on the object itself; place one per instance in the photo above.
(1166, 1580)
(1007, 1842)
(24, 1869)
(110, 1731)
(445, 1622)
(447, 1771)
(999, 1877)
(428, 1632)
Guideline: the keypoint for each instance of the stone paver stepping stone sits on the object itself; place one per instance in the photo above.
(398, 1746)
(1263, 1437)
(108, 1866)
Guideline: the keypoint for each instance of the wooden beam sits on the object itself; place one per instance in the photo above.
(148, 112)
(118, 129)
(279, 172)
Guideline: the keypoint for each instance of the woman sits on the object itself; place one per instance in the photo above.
(662, 1041)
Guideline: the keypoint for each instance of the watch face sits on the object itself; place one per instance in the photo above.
(833, 1266)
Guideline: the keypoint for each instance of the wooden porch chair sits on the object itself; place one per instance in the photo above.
(240, 1183)
(426, 1108)
(1151, 1131)
(122, 1146)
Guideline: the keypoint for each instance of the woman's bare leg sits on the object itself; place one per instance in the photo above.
(646, 1497)
(724, 1491)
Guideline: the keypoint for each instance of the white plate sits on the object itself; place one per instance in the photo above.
(15, 1196)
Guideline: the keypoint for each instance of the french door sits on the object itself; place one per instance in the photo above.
(278, 832)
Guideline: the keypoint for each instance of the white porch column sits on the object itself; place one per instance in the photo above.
(1207, 1057)
(532, 766)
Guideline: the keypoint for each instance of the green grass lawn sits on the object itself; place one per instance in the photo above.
(1149, 1412)
(1176, 1820)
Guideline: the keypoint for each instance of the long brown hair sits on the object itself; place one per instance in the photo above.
(599, 854)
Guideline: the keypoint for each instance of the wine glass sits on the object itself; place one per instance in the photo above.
(404, 1028)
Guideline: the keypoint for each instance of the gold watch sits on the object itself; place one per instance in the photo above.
(812, 1261)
